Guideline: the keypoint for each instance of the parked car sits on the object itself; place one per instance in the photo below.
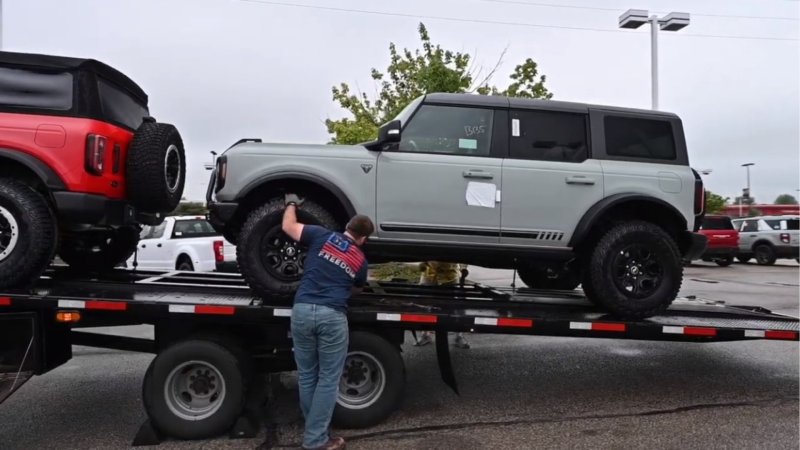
(187, 243)
(565, 193)
(82, 165)
(723, 239)
(768, 238)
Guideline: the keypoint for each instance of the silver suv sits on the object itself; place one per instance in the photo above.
(565, 193)
(768, 238)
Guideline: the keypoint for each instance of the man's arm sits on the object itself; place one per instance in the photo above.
(290, 224)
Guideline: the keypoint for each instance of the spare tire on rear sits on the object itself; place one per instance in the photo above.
(156, 168)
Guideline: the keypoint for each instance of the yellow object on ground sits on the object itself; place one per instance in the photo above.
(437, 272)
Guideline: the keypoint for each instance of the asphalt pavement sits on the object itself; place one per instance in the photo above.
(515, 392)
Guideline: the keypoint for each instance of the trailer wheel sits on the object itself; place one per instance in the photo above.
(372, 382)
(195, 389)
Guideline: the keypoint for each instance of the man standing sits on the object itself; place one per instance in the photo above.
(335, 268)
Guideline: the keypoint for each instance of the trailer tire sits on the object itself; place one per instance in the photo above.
(28, 233)
(195, 389)
(373, 382)
(262, 246)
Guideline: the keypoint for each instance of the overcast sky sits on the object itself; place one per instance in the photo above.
(225, 69)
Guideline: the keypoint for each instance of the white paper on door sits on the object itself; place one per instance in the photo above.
(481, 194)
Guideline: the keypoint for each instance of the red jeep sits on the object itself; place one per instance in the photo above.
(82, 164)
(723, 239)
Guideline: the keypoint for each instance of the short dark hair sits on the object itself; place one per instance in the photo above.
(360, 226)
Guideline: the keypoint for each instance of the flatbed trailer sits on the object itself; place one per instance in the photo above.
(212, 337)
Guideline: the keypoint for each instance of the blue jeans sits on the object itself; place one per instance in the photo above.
(321, 337)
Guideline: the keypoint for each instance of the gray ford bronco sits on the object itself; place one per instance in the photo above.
(568, 194)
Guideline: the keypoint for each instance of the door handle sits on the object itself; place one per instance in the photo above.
(477, 174)
(579, 179)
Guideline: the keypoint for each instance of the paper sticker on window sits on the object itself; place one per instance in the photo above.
(515, 127)
(468, 144)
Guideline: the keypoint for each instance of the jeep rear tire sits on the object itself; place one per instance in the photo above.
(269, 260)
(546, 278)
(635, 270)
(156, 168)
(765, 255)
(28, 233)
(97, 251)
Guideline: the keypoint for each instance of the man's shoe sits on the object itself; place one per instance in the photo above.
(334, 443)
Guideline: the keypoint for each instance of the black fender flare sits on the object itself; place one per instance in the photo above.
(48, 176)
(303, 176)
(597, 210)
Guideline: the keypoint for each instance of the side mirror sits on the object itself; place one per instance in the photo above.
(389, 132)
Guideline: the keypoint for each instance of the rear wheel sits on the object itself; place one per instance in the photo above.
(765, 255)
(270, 261)
(635, 270)
(724, 261)
(185, 264)
(97, 251)
(28, 233)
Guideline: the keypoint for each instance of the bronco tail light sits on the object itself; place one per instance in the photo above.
(95, 153)
(785, 238)
(219, 251)
(222, 172)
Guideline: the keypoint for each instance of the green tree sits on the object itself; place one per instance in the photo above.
(785, 199)
(190, 209)
(715, 202)
(411, 74)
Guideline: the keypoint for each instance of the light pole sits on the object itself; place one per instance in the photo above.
(747, 189)
(674, 21)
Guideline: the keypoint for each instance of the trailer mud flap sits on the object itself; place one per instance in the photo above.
(445, 363)
(18, 351)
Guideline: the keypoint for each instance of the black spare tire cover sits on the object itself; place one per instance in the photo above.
(156, 168)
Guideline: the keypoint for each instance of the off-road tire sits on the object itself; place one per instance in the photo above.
(725, 261)
(153, 185)
(95, 251)
(388, 355)
(537, 278)
(765, 254)
(604, 289)
(35, 233)
(232, 369)
(248, 248)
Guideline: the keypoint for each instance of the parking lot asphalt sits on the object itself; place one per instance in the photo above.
(515, 392)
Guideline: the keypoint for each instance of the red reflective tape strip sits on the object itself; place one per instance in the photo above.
(5, 301)
(769, 334)
(519, 323)
(213, 309)
(417, 318)
(106, 305)
(700, 331)
(604, 326)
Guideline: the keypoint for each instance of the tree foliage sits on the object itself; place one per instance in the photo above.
(413, 73)
(786, 199)
(715, 202)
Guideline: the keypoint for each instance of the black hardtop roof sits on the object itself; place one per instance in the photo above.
(68, 64)
(499, 101)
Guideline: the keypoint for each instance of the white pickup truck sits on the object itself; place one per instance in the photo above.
(187, 243)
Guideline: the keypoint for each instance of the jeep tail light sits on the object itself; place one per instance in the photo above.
(219, 251)
(785, 238)
(222, 172)
(95, 153)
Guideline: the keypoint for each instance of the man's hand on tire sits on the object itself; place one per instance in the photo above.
(292, 199)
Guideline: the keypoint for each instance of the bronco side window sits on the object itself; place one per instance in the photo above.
(39, 90)
(548, 136)
(639, 138)
(449, 129)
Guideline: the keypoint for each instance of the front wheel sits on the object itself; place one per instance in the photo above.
(635, 270)
(96, 251)
(270, 261)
